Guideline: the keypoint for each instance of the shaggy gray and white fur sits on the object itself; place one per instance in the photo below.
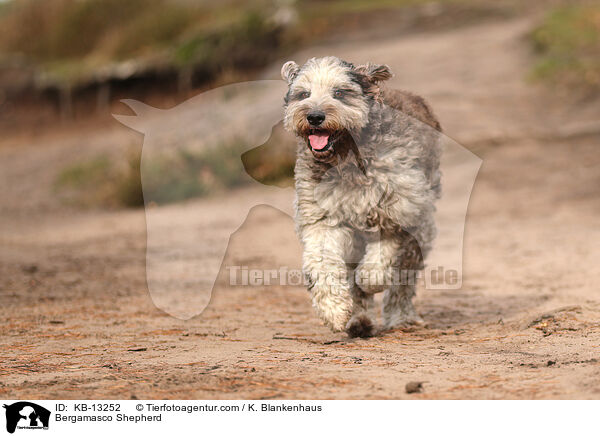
(366, 181)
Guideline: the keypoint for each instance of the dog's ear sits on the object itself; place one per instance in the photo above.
(375, 73)
(289, 71)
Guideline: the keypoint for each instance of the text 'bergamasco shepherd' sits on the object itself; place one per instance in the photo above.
(367, 176)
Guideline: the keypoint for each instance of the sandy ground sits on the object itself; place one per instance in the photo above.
(78, 321)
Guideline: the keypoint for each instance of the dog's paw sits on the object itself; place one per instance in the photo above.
(337, 320)
(360, 326)
(403, 321)
(373, 278)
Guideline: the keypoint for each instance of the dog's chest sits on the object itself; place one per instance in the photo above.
(362, 201)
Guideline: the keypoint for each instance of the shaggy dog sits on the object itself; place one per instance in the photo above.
(366, 181)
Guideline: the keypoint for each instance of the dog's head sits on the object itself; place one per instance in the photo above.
(328, 102)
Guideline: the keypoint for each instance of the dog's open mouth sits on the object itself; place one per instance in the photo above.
(321, 141)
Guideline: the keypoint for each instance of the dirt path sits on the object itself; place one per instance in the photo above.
(77, 320)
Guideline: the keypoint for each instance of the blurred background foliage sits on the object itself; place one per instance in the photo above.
(168, 178)
(568, 44)
(72, 43)
(71, 39)
(69, 43)
(68, 59)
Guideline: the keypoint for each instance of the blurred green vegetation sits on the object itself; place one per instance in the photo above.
(70, 39)
(170, 178)
(568, 43)
(90, 183)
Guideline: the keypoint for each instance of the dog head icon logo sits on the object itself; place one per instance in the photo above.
(26, 415)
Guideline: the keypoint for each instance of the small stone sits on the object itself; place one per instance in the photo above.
(414, 387)
(30, 269)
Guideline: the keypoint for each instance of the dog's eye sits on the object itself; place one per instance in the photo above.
(338, 93)
(304, 94)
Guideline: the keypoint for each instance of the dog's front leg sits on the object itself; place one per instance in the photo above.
(326, 250)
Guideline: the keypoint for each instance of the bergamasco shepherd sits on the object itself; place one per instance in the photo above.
(367, 177)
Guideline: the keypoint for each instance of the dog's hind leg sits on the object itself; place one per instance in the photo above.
(398, 309)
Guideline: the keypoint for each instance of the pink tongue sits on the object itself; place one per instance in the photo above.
(318, 141)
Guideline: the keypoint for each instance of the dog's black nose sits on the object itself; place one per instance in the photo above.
(315, 118)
